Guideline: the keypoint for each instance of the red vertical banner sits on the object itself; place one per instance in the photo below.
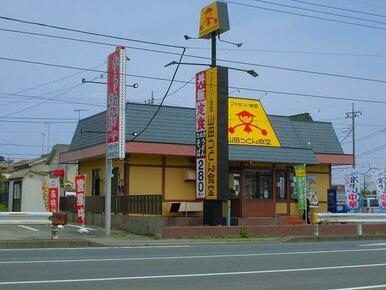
(53, 194)
(80, 190)
(116, 103)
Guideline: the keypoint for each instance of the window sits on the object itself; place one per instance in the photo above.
(115, 181)
(258, 184)
(234, 185)
(281, 187)
(291, 181)
(96, 181)
(16, 202)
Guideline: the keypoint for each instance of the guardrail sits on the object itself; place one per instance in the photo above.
(357, 218)
(35, 218)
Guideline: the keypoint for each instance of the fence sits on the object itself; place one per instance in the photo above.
(124, 204)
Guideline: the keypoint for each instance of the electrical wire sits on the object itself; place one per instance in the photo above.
(319, 11)
(89, 33)
(208, 58)
(182, 81)
(304, 15)
(162, 101)
(338, 8)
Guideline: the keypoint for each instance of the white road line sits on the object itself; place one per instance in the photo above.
(362, 287)
(98, 248)
(79, 227)
(373, 245)
(193, 275)
(28, 228)
(185, 257)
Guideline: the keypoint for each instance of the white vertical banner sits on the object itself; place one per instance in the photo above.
(200, 134)
(379, 179)
(352, 190)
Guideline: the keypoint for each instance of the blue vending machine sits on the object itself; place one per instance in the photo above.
(336, 200)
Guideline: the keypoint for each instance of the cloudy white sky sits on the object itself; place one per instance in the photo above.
(270, 38)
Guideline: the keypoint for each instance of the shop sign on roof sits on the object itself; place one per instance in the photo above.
(248, 124)
(213, 18)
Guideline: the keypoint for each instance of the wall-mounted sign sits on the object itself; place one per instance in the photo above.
(80, 190)
(53, 194)
(211, 134)
(116, 103)
(352, 191)
(249, 124)
(213, 18)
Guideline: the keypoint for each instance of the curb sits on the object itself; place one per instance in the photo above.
(35, 244)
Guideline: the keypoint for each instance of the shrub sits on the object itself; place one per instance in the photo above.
(245, 233)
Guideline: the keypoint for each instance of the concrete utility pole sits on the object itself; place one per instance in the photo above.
(353, 114)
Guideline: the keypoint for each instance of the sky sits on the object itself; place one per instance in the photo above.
(39, 103)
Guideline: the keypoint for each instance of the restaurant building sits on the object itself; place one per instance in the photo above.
(157, 176)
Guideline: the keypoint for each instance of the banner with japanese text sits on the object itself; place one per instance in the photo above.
(352, 190)
(116, 103)
(300, 185)
(80, 190)
(53, 194)
(379, 179)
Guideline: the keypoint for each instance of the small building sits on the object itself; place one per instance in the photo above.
(157, 176)
(24, 184)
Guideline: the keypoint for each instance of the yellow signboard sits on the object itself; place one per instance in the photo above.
(211, 134)
(213, 18)
(248, 124)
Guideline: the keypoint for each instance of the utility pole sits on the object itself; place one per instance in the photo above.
(44, 135)
(80, 110)
(353, 114)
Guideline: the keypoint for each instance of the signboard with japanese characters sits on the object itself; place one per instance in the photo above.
(352, 191)
(200, 134)
(249, 124)
(213, 18)
(379, 178)
(300, 185)
(80, 190)
(211, 133)
(53, 194)
(116, 102)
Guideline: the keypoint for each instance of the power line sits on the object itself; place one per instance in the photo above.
(304, 15)
(90, 33)
(38, 118)
(20, 145)
(181, 81)
(338, 8)
(39, 122)
(319, 11)
(219, 59)
(369, 4)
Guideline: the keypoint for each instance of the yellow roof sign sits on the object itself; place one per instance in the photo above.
(248, 124)
(213, 18)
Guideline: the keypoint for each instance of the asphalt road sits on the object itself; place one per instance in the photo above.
(327, 265)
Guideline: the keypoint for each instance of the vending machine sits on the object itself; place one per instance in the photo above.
(336, 199)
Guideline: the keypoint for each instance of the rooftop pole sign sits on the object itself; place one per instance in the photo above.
(213, 18)
(116, 101)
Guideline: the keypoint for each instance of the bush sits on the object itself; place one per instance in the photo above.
(245, 233)
(3, 207)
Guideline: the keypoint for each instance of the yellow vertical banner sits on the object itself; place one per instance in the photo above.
(211, 134)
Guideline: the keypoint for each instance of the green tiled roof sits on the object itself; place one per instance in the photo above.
(299, 140)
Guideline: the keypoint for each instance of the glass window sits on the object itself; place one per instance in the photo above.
(258, 184)
(292, 191)
(234, 185)
(281, 186)
(96, 181)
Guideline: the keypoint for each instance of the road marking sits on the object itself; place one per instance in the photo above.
(362, 287)
(273, 271)
(186, 257)
(99, 248)
(80, 227)
(373, 245)
(28, 228)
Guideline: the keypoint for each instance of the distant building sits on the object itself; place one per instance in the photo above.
(26, 177)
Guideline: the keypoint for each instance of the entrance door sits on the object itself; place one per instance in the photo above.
(258, 200)
(16, 199)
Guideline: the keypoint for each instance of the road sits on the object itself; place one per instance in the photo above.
(324, 265)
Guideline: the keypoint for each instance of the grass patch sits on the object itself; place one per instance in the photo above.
(245, 233)
(3, 207)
